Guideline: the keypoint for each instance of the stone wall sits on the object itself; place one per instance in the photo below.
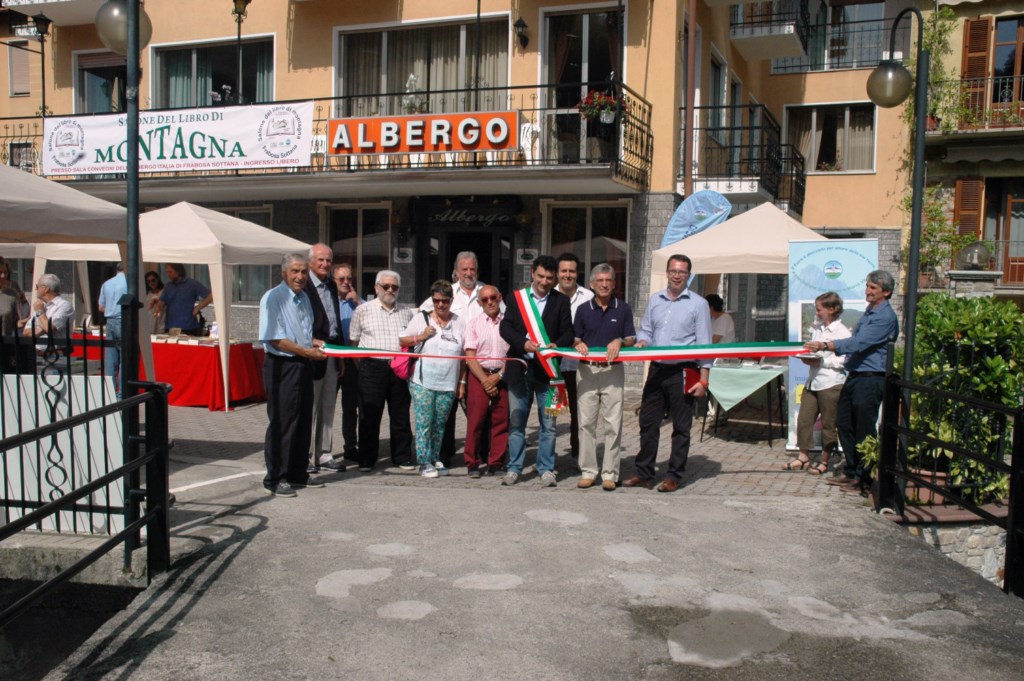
(981, 547)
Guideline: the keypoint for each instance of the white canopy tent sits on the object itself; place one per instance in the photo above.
(185, 233)
(755, 242)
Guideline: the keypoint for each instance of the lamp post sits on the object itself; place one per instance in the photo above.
(239, 12)
(888, 86)
(42, 23)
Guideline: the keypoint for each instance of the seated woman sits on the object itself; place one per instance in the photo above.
(435, 383)
(824, 383)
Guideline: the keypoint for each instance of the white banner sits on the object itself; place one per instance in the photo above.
(220, 138)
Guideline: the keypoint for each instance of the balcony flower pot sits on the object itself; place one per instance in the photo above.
(600, 106)
(607, 117)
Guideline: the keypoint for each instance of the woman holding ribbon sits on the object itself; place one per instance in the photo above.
(824, 383)
(435, 382)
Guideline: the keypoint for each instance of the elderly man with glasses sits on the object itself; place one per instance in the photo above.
(51, 313)
(379, 324)
(348, 301)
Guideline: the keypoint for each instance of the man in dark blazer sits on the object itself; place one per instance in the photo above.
(323, 296)
(530, 382)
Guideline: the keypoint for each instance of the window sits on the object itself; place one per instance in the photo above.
(846, 36)
(208, 75)
(716, 100)
(359, 236)
(1006, 63)
(17, 62)
(417, 65)
(596, 234)
(834, 138)
(101, 83)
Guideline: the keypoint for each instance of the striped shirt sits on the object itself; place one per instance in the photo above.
(373, 326)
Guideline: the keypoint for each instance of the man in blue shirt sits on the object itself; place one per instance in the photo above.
(866, 354)
(111, 292)
(182, 300)
(286, 331)
(674, 316)
(348, 301)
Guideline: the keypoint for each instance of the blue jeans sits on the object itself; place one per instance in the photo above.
(112, 353)
(520, 397)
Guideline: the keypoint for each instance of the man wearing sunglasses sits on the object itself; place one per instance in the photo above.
(487, 392)
(379, 324)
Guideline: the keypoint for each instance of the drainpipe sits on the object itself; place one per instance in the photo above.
(691, 96)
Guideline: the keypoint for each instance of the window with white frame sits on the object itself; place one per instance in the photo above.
(17, 65)
(207, 75)
(359, 237)
(835, 137)
(425, 69)
(596, 234)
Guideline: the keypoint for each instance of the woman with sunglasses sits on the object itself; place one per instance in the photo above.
(435, 383)
(154, 287)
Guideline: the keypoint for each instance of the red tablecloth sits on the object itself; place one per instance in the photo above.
(93, 350)
(195, 372)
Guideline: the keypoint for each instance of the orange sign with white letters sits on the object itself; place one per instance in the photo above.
(424, 134)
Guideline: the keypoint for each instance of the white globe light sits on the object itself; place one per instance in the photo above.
(889, 84)
(112, 26)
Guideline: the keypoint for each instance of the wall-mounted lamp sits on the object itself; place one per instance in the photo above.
(238, 11)
(521, 27)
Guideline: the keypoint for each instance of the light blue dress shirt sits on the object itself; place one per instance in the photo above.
(685, 320)
(285, 315)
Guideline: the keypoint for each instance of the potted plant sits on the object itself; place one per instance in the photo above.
(940, 238)
(599, 105)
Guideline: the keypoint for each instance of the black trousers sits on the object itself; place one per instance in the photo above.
(857, 418)
(378, 386)
(289, 385)
(665, 387)
(574, 424)
(350, 407)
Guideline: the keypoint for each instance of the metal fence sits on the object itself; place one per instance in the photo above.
(845, 45)
(972, 104)
(933, 441)
(1006, 256)
(739, 143)
(771, 16)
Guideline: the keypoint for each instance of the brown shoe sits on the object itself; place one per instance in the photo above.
(668, 485)
(841, 480)
(585, 483)
(855, 487)
(637, 481)
(608, 485)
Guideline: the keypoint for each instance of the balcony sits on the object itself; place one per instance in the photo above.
(559, 151)
(967, 106)
(771, 29)
(1007, 257)
(793, 185)
(738, 153)
(847, 45)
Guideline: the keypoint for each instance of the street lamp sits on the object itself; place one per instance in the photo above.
(888, 86)
(42, 23)
(239, 12)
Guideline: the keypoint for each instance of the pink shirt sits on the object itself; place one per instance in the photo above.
(482, 335)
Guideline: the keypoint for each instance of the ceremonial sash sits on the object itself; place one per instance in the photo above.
(558, 396)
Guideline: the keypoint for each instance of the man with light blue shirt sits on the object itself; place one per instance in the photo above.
(286, 331)
(111, 292)
(866, 353)
(674, 316)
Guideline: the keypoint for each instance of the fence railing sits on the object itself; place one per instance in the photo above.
(793, 186)
(845, 45)
(552, 133)
(741, 144)
(72, 456)
(1006, 256)
(979, 441)
(771, 16)
(976, 104)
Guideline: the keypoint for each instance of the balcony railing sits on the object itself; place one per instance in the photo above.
(847, 45)
(972, 104)
(1007, 256)
(738, 149)
(771, 17)
(552, 133)
(793, 186)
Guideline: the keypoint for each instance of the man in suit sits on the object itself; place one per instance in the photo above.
(533, 381)
(323, 296)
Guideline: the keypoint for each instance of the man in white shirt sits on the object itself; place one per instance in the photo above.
(568, 273)
(50, 312)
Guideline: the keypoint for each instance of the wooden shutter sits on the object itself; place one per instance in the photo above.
(18, 62)
(974, 69)
(968, 206)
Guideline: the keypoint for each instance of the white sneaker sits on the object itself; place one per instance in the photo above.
(548, 479)
(440, 468)
(510, 479)
(427, 471)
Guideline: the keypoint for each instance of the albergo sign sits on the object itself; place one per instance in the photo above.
(424, 134)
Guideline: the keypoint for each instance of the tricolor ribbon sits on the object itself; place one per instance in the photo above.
(558, 396)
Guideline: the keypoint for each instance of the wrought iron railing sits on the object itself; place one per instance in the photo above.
(552, 132)
(846, 45)
(971, 104)
(793, 185)
(771, 16)
(740, 145)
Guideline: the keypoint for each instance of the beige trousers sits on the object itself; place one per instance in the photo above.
(600, 396)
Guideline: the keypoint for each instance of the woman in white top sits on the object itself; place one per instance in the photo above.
(824, 383)
(435, 383)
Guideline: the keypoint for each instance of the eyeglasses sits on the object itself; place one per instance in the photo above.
(487, 299)
(343, 278)
(678, 273)
(442, 301)
(388, 287)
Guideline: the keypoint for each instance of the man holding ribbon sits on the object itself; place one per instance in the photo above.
(537, 317)
(675, 316)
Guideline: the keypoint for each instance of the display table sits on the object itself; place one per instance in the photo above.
(92, 351)
(195, 373)
(731, 385)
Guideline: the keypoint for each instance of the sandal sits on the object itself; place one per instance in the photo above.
(819, 468)
(795, 465)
